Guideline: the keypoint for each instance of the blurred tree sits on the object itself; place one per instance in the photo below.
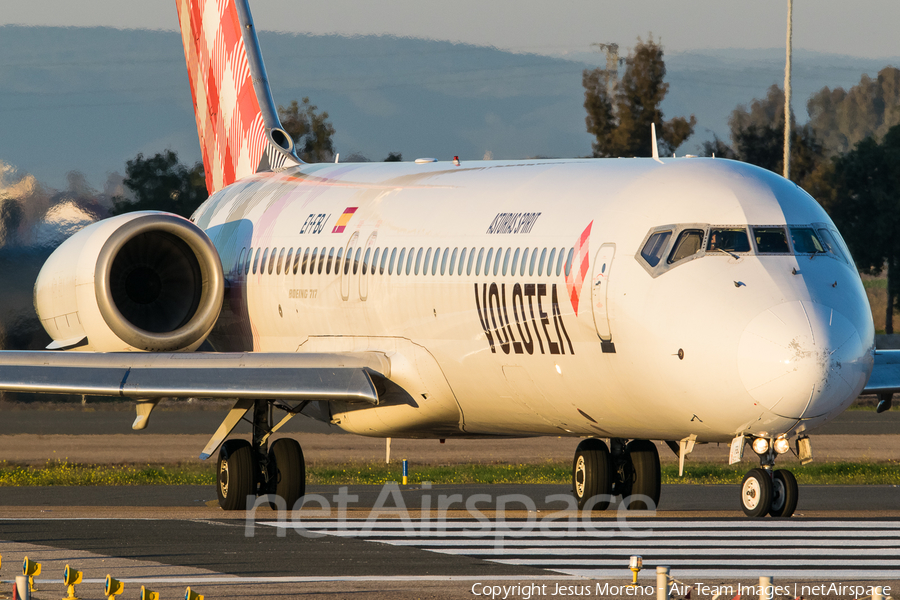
(311, 131)
(841, 119)
(757, 137)
(162, 183)
(866, 208)
(394, 157)
(620, 111)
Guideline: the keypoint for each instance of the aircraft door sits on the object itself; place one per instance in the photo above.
(347, 266)
(599, 291)
(367, 266)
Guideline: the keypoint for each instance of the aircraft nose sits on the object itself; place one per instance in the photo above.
(802, 359)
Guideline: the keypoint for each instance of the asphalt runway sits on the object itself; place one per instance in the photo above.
(392, 541)
(104, 418)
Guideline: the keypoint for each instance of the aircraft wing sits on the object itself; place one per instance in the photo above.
(885, 378)
(246, 376)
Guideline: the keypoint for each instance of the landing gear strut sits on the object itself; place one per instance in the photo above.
(767, 491)
(628, 470)
(255, 468)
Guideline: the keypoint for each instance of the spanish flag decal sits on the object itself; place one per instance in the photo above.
(344, 219)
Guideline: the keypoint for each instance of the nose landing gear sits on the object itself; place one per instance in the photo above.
(767, 491)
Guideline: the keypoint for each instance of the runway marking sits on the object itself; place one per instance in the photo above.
(599, 549)
(236, 579)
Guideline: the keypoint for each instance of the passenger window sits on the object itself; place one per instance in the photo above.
(330, 261)
(506, 260)
(655, 246)
(356, 261)
(287, 261)
(487, 261)
(550, 262)
(524, 263)
(400, 260)
(249, 260)
(515, 262)
(391, 263)
(771, 240)
(409, 260)
(365, 262)
(338, 262)
(375, 258)
(478, 261)
(296, 260)
(280, 262)
(419, 260)
(272, 260)
(453, 261)
(347, 260)
(497, 261)
(427, 262)
(559, 261)
(305, 265)
(806, 241)
(444, 260)
(830, 244)
(312, 261)
(384, 259)
(462, 259)
(689, 243)
(322, 259)
(534, 255)
(569, 261)
(729, 239)
(434, 265)
(262, 263)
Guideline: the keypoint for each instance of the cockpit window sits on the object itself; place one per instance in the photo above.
(830, 244)
(729, 239)
(655, 246)
(806, 241)
(771, 240)
(689, 243)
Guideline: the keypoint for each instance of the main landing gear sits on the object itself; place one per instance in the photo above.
(630, 470)
(250, 469)
(765, 490)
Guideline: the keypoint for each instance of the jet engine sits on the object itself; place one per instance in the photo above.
(142, 281)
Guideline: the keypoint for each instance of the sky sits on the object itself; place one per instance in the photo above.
(863, 28)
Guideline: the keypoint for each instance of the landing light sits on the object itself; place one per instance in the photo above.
(782, 445)
(760, 445)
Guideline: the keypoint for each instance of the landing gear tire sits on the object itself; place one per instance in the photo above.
(647, 478)
(785, 494)
(287, 471)
(756, 493)
(591, 475)
(236, 475)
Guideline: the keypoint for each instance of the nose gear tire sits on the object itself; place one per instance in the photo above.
(756, 493)
(785, 494)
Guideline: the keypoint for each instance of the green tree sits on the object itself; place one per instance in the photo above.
(841, 119)
(161, 182)
(866, 208)
(311, 131)
(620, 111)
(394, 157)
(757, 137)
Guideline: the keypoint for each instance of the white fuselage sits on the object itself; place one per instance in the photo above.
(604, 344)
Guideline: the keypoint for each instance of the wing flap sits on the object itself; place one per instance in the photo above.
(292, 377)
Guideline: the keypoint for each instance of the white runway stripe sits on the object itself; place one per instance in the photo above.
(693, 548)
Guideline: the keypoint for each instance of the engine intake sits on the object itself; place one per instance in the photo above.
(157, 284)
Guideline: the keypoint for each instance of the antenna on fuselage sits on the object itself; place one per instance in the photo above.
(654, 148)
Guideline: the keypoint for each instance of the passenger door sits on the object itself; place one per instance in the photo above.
(599, 292)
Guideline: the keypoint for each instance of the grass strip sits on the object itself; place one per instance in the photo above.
(61, 473)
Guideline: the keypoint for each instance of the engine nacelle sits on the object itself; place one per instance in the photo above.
(142, 281)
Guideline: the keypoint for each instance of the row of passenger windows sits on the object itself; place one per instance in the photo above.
(411, 261)
(732, 240)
